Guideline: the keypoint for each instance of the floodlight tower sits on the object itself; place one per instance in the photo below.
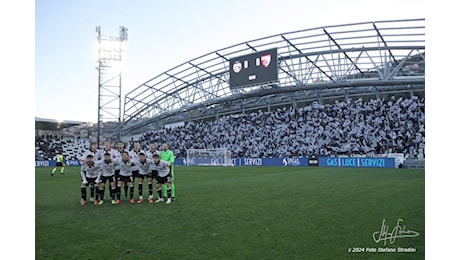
(109, 66)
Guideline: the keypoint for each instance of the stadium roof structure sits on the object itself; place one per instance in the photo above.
(53, 124)
(313, 64)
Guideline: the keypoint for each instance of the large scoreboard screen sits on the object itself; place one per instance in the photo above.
(255, 68)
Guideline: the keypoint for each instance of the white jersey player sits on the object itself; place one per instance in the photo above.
(119, 155)
(164, 177)
(125, 178)
(151, 151)
(93, 151)
(149, 155)
(145, 172)
(89, 173)
(134, 156)
(107, 149)
(107, 173)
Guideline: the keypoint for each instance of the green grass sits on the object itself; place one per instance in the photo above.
(236, 213)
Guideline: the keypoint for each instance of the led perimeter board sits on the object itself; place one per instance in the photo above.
(255, 68)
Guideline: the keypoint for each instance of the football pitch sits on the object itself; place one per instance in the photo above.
(240, 213)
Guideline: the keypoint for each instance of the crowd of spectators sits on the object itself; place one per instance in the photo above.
(351, 127)
(48, 146)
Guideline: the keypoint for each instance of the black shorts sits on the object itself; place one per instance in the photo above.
(104, 179)
(125, 178)
(135, 173)
(166, 179)
(148, 175)
(117, 173)
(59, 164)
(90, 180)
(155, 174)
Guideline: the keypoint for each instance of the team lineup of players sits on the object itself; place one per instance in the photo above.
(120, 168)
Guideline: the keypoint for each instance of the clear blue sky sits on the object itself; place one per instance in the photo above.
(163, 34)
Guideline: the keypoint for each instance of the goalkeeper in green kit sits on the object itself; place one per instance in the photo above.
(167, 155)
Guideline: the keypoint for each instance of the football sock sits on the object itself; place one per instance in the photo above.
(101, 193)
(150, 189)
(173, 190)
(54, 170)
(117, 192)
(131, 191)
(160, 194)
(62, 169)
(168, 192)
(139, 189)
(91, 190)
(112, 192)
(83, 192)
(163, 188)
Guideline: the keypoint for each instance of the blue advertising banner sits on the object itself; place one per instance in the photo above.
(72, 162)
(357, 162)
(259, 161)
(45, 163)
(52, 163)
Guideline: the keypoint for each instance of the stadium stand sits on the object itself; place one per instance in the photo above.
(47, 147)
(348, 127)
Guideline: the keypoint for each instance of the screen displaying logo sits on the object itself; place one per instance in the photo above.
(266, 60)
(254, 68)
(237, 66)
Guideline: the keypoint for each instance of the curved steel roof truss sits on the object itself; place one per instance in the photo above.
(325, 61)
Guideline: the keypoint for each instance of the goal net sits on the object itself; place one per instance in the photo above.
(209, 157)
